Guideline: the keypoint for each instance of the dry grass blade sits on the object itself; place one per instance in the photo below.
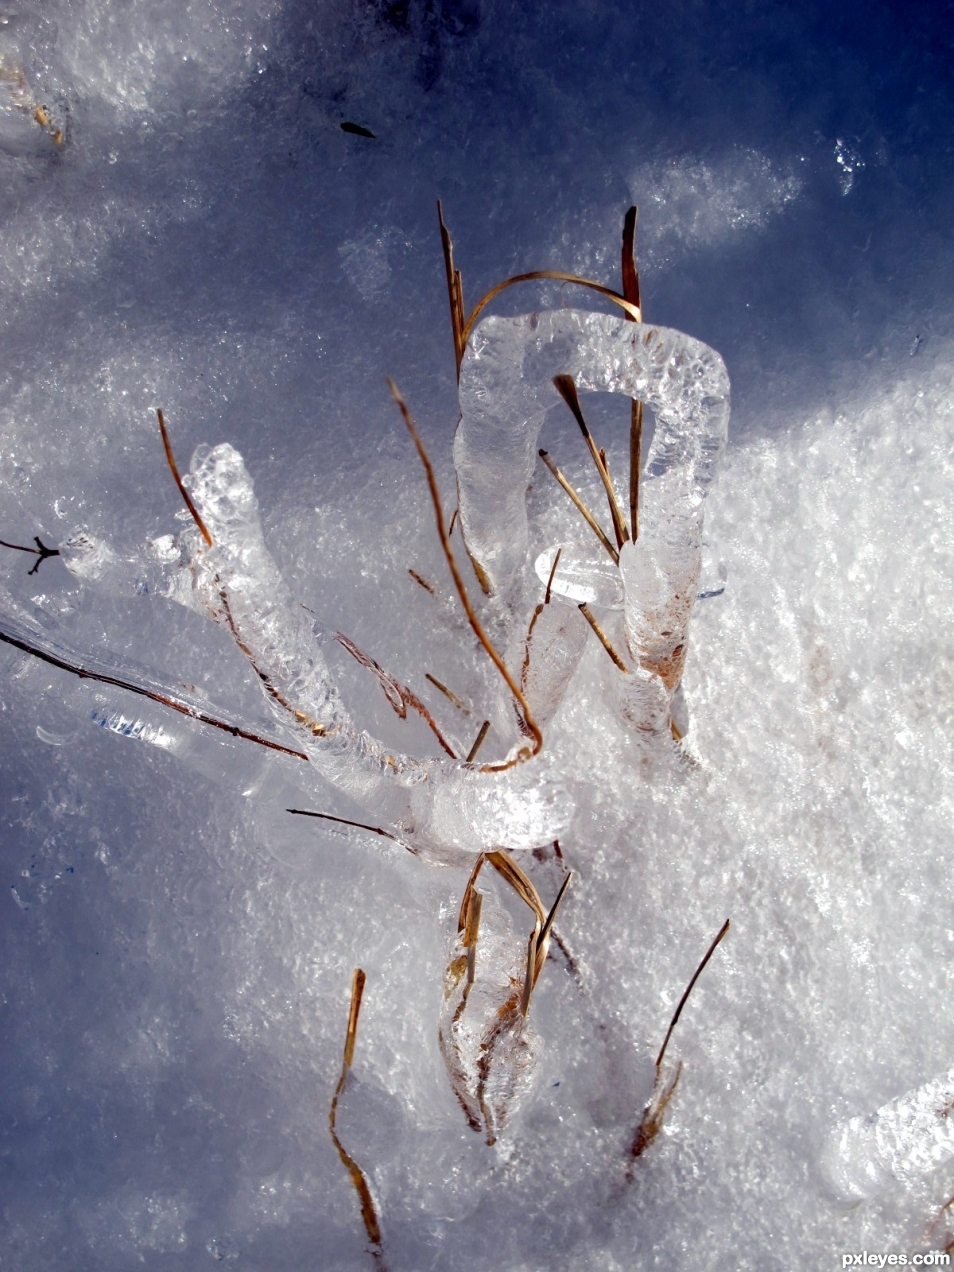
(187, 498)
(539, 942)
(533, 619)
(368, 1213)
(630, 272)
(399, 696)
(542, 274)
(455, 289)
(602, 637)
(508, 869)
(543, 937)
(448, 693)
(524, 753)
(688, 990)
(76, 669)
(428, 587)
(478, 742)
(345, 821)
(655, 1111)
(635, 463)
(567, 390)
(580, 507)
(631, 290)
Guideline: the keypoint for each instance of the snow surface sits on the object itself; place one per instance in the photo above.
(177, 950)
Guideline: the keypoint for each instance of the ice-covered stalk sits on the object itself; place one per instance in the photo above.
(438, 806)
(490, 1049)
(905, 1138)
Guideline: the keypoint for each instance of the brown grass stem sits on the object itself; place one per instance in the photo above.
(630, 272)
(399, 696)
(631, 292)
(524, 753)
(580, 506)
(538, 610)
(448, 693)
(688, 990)
(368, 1213)
(478, 742)
(542, 274)
(635, 463)
(314, 727)
(455, 290)
(187, 498)
(428, 587)
(566, 388)
(602, 637)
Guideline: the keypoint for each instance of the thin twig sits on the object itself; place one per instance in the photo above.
(688, 990)
(567, 390)
(538, 610)
(368, 1213)
(171, 460)
(478, 741)
(602, 637)
(448, 693)
(330, 817)
(428, 587)
(374, 830)
(183, 709)
(524, 753)
(399, 696)
(580, 507)
(453, 522)
(41, 551)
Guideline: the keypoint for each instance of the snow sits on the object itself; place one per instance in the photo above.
(177, 948)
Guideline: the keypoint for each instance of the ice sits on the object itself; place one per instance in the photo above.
(908, 1137)
(436, 807)
(176, 947)
(506, 387)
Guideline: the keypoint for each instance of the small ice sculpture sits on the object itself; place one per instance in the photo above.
(907, 1137)
(507, 383)
(445, 808)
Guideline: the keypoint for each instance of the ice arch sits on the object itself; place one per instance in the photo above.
(506, 389)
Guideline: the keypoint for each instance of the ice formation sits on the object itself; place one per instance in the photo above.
(439, 806)
(908, 1137)
(206, 237)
